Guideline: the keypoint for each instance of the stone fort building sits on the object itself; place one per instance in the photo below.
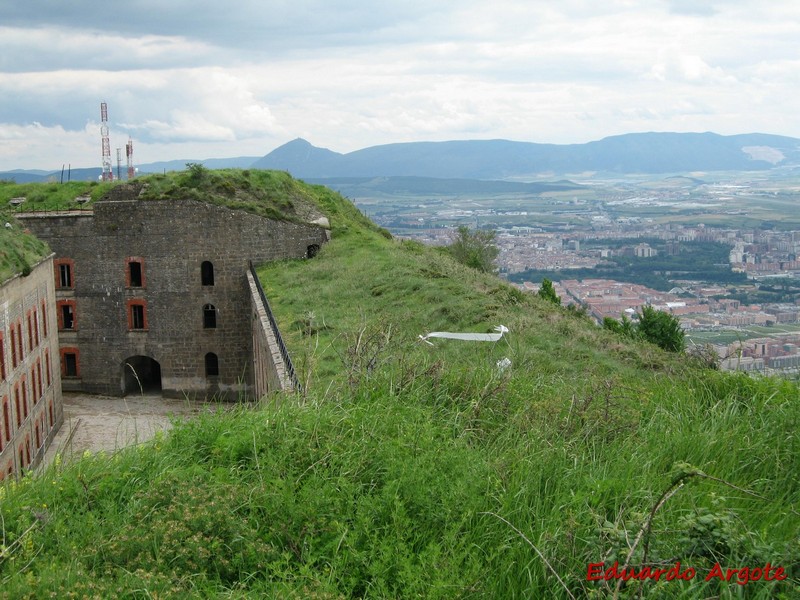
(156, 295)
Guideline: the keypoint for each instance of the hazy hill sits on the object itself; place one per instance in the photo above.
(502, 159)
(498, 159)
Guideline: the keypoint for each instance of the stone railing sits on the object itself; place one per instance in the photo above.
(273, 368)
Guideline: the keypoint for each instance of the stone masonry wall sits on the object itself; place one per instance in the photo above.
(269, 369)
(171, 238)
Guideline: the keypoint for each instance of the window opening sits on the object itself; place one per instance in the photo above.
(209, 317)
(67, 316)
(207, 273)
(70, 364)
(135, 274)
(65, 275)
(137, 316)
(212, 365)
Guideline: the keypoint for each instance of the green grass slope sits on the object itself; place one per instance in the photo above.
(271, 194)
(410, 470)
(19, 250)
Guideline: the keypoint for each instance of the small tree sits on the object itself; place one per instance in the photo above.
(624, 327)
(475, 249)
(548, 292)
(662, 329)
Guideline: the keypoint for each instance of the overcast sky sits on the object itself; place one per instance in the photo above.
(196, 79)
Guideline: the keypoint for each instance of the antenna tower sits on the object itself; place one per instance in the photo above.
(108, 174)
(129, 154)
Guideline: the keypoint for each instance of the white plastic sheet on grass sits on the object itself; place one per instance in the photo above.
(470, 337)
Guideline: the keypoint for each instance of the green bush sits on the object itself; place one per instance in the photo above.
(475, 249)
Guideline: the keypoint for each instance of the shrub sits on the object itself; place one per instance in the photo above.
(662, 329)
(548, 292)
(475, 249)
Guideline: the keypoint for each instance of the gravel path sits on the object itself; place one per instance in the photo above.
(97, 423)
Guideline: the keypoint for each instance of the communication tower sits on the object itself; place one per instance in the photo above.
(108, 174)
(129, 154)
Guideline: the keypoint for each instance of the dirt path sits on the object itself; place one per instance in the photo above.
(97, 423)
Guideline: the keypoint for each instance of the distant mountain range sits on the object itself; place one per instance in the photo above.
(502, 159)
(636, 153)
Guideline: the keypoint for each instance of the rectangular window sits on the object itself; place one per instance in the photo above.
(135, 272)
(30, 331)
(39, 379)
(44, 319)
(36, 328)
(47, 366)
(66, 314)
(17, 405)
(70, 364)
(20, 341)
(2, 358)
(6, 419)
(137, 315)
(64, 274)
(24, 398)
(13, 347)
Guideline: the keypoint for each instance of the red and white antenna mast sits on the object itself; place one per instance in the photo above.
(108, 173)
(129, 154)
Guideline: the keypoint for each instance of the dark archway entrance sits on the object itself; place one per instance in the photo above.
(140, 375)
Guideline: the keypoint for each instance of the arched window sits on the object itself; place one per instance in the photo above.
(212, 365)
(207, 273)
(209, 317)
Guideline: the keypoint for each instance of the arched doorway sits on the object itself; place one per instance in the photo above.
(140, 375)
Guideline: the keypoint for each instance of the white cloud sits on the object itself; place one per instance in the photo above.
(204, 79)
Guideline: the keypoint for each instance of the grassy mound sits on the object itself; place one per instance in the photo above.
(409, 470)
(19, 250)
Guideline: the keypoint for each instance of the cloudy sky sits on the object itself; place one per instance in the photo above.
(196, 79)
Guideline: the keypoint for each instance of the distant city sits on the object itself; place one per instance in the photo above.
(734, 282)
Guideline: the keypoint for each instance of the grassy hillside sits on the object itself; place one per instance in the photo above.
(19, 250)
(271, 194)
(411, 470)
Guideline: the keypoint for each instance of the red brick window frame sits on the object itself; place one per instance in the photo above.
(137, 314)
(6, 433)
(48, 372)
(13, 340)
(65, 273)
(44, 320)
(67, 315)
(36, 337)
(24, 387)
(134, 272)
(70, 362)
(17, 405)
(29, 318)
(2, 357)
